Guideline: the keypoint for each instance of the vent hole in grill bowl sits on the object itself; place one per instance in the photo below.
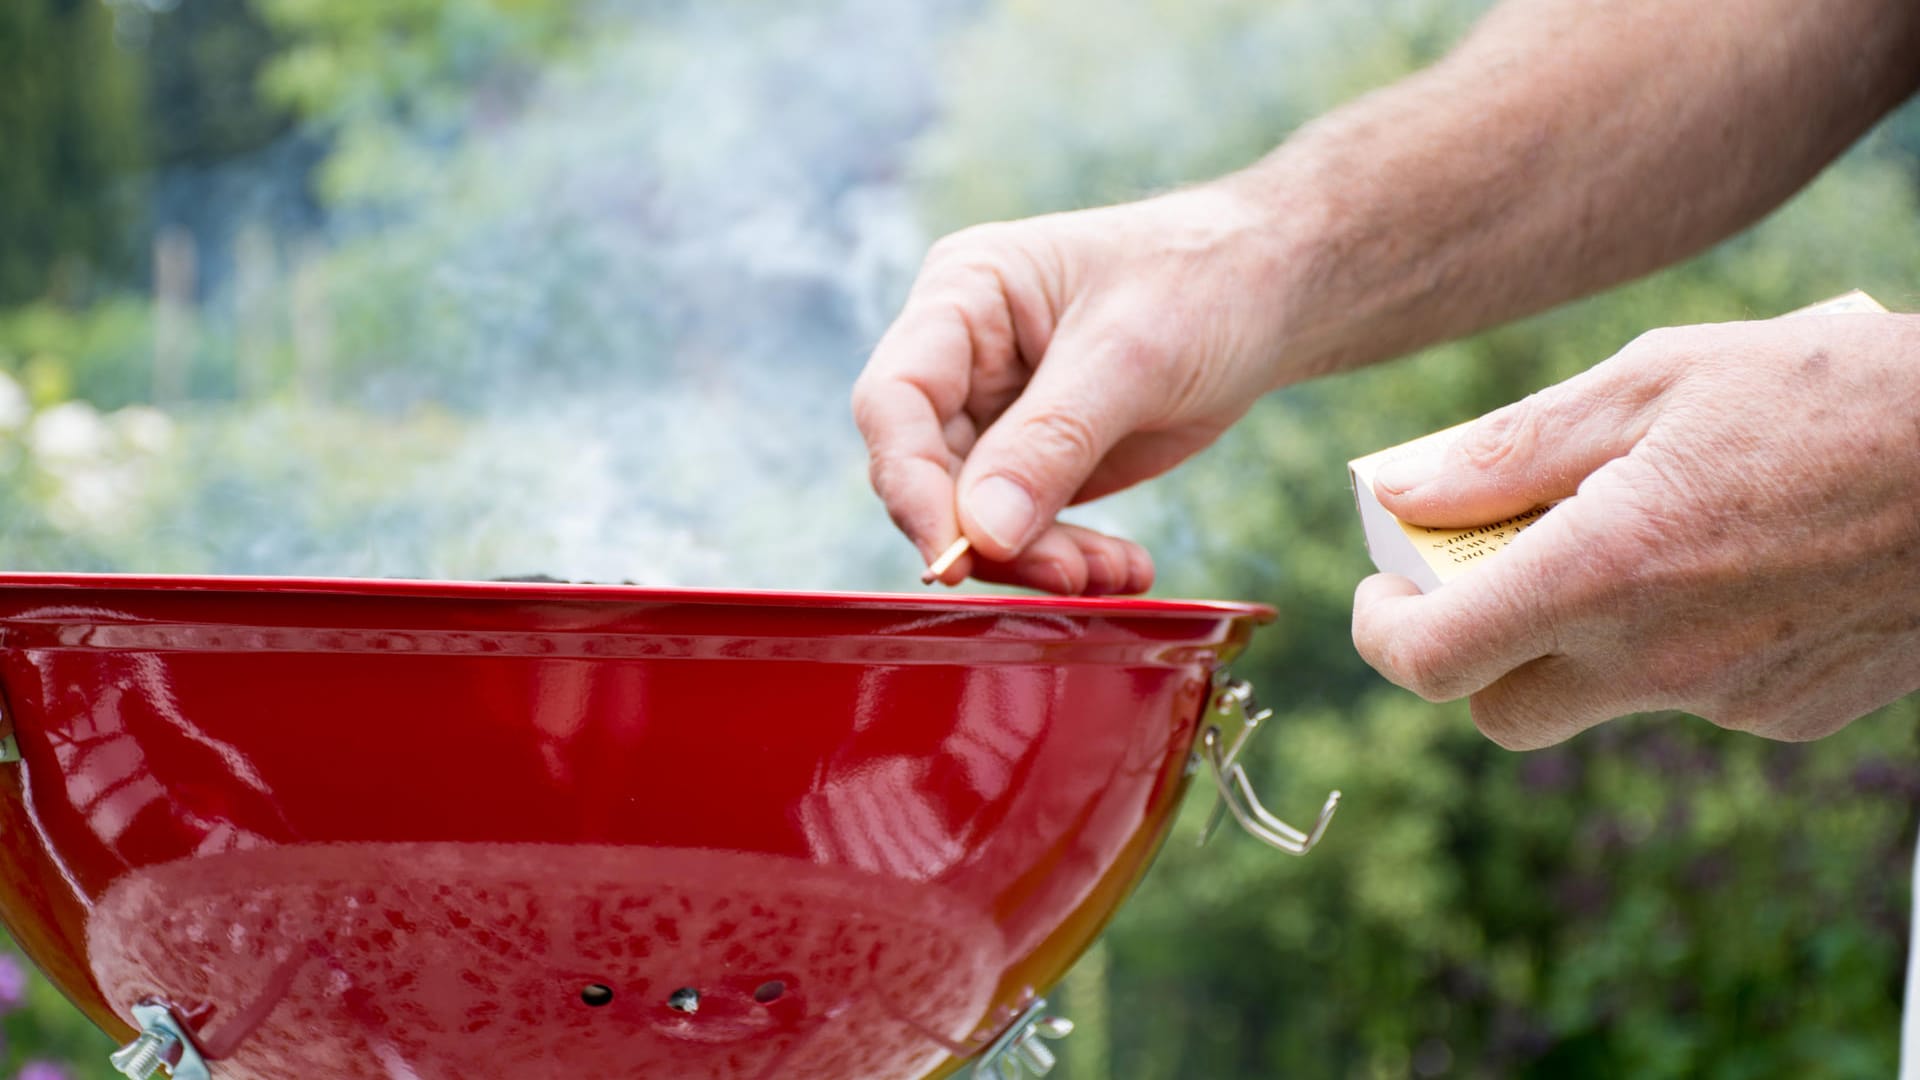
(594, 995)
(684, 1000)
(770, 991)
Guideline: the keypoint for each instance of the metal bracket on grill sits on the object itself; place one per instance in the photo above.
(1232, 718)
(162, 1044)
(1022, 1051)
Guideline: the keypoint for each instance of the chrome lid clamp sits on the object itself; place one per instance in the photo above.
(1232, 718)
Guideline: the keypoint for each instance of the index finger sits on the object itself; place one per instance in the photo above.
(910, 394)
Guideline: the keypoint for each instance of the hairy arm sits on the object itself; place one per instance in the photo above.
(1564, 146)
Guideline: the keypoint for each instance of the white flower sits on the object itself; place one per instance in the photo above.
(144, 429)
(91, 498)
(69, 433)
(15, 409)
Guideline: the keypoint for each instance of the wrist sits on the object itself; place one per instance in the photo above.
(1292, 230)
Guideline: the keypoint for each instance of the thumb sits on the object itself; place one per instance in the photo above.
(1036, 455)
(1527, 454)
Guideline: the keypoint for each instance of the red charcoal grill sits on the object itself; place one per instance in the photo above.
(415, 830)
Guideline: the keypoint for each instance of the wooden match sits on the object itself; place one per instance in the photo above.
(945, 562)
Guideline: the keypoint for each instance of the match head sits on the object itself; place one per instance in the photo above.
(945, 562)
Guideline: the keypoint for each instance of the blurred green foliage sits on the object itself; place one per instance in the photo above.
(376, 77)
(67, 139)
(1656, 899)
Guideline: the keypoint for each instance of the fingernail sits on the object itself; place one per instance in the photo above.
(1002, 508)
(1401, 475)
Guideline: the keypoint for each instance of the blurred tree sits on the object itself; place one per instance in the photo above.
(395, 85)
(70, 144)
(204, 63)
(168, 96)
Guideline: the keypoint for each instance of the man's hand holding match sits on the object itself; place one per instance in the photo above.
(1051, 361)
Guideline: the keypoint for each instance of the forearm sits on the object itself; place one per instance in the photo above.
(1563, 147)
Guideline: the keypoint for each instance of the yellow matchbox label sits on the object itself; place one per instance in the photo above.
(1433, 557)
(1430, 557)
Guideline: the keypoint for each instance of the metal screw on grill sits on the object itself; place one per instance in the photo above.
(162, 1044)
(143, 1057)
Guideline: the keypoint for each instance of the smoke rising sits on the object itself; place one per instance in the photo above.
(604, 330)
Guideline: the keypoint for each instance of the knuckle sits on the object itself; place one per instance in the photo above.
(1746, 716)
(948, 248)
(863, 400)
(1106, 567)
(1502, 435)
(1625, 552)
(1417, 662)
(1503, 722)
(1140, 571)
(1058, 435)
(1133, 353)
(1649, 340)
(1369, 639)
(1609, 571)
(1791, 715)
(1656, 351)
(1659, 341)
(889, 473)
(1160, 384)
(966, 245)
(1067, 577)
(882, 468)
(1522, 720)
(989, 327)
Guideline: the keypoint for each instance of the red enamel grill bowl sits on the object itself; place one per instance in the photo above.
(397, 829)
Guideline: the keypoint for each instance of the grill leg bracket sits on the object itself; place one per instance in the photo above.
(163, 1044)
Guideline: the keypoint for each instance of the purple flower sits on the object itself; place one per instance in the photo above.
(41, 1070)
(13, 983)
